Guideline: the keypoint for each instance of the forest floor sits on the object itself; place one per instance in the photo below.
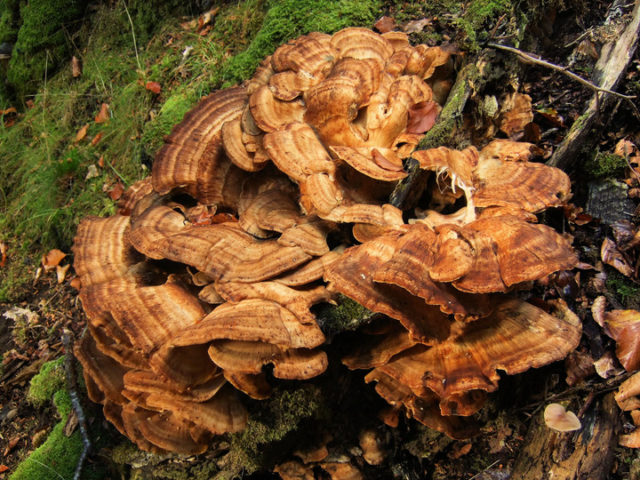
(39, 306)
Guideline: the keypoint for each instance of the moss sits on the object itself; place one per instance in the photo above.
(47, 382)
(9, 20)
(270, 432)
(347, 315)
(58, 456)
(627, 292)
(170, 114)
(604, 165)
(41, 44)
(288, 19)
(443, 132)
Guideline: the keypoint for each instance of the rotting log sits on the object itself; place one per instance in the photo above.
(411, 187)
(585, 454)
(609, 70)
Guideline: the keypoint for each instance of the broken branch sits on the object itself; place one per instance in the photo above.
(530, 58)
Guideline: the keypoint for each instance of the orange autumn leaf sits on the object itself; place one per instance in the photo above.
(76, 67)
(116, 191)
(82, 133)
(3, 252)
(52, 259)
(96, 139)
(153, 87)
(8, 111)
(103, 114)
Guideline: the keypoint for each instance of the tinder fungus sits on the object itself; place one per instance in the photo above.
(200, 291)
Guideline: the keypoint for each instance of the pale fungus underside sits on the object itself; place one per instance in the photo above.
(210, 270)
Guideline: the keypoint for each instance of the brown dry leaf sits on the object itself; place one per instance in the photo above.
(101, 161)
(597, 309)
(460, 451)
(3, 252)
(416, 26)
(52, 259)
(579, 365)
(11, 445)
(385, 24)
(153, 87)
(76, 67)
(516, 114)
(76, 283)
(3, 468)
(30, 104)
(422, 116)
(612, 256)
(61, 272)
(96, 139)
(103, 114)
(116, 191)
(82, 133)
(625, 148)
(71, 425)
(8, 111)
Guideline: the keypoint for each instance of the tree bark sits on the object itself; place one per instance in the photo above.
(583, 455)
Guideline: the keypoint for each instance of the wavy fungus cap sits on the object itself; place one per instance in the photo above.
(202, 289)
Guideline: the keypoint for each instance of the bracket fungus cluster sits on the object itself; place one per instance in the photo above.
(210, 270)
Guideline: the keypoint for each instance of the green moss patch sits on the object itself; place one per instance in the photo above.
(47, 382)
(287, 19)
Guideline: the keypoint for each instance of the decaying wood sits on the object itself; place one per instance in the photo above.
(609, 70)
(585, 454)
(411, 187)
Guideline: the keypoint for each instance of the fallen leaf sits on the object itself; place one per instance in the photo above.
(76, 283)
(36, 277)
(103, 114)
(8, 111)
(625, 148)
(516, 113)
(205, 31)
(92, 172)
(460, 451)
(624, 327)
(579, 365)
(3, 468)
(96, 139)
(385, 24)
(52, 259)
(101, 162)
(3, 252)
(71, 425)
(416, 26)
(606, 366)
(559, 419)
(82, 133)
(422, 116)
(76, 67)
(61, 272)
(11, 445)
(116, 191)
(153, 87)
(597, 309)
(29, 103)
(613, 257)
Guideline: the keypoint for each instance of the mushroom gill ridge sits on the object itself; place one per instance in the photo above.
(202, 289)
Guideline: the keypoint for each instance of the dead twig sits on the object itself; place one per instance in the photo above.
(531, 58)
(75, 400)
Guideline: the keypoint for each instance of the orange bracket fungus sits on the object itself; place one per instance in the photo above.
(272, 197)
